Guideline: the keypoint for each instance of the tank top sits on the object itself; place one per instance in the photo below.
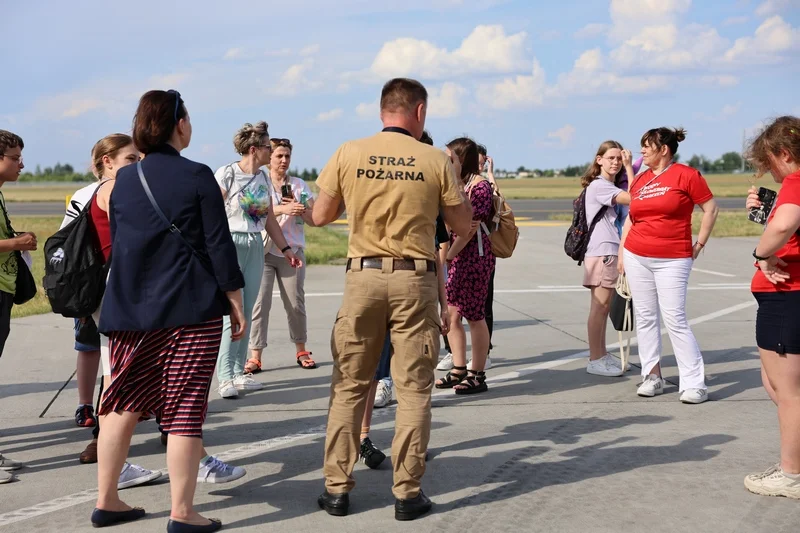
(102, 229)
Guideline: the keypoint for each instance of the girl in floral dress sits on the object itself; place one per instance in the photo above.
(470, 266)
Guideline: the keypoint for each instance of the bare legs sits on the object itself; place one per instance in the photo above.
(598, 319)
(782, 373)
(88, 365)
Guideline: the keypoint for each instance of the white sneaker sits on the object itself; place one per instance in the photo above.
(775, 484)
(608, 366)
(245, 382)
(383, 395)
(694, 396)
(227, 390)
(215, 471)
(761, 475)
(487, 366)
(9, 464)
(651, 386)
(6, 477)
(446, 363)
(133, 475)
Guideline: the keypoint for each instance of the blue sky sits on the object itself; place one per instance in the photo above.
(540, 83)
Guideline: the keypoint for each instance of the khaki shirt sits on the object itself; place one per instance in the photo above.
(393, 187)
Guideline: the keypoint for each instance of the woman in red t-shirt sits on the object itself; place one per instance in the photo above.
(776, 287)
(658, 255)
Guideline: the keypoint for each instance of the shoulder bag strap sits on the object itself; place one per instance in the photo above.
(246, 185)
(172, 227)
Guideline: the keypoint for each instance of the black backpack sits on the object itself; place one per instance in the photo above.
(74, 268)
(579, 231)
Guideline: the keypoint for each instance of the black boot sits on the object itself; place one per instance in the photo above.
(334, 504)
(413, 508)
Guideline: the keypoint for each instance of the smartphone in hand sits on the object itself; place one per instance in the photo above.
(286, 191)
(767, 197)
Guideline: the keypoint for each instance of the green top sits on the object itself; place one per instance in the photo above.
(8, 260)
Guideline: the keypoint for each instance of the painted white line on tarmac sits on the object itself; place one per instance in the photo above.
(255, 448)
(713, 273)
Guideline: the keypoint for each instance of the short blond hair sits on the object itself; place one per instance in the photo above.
(249, 136)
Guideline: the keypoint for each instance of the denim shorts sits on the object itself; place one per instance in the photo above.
(385, 365)
(778, 321)
(87, 338)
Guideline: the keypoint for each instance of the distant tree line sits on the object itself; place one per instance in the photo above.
(59, 172)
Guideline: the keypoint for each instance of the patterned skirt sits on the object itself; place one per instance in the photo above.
(166, 373)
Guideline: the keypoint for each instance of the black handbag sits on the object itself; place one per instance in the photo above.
(26, 285)
(621, 315)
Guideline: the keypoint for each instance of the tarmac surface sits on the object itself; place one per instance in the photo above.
(532, 209)
(548, 448)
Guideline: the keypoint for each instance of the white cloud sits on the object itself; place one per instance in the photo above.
(445, 101)
(327, 116)
(733, 21)
(486, 49)
(516, 92)
(668, 47)
(564, 135)
(368, 110)
(643, 10)
(722, 80)
(771, 7)
(591, 31)
(234, 53)
(774, 37)
(589, 77)
(310, 50)
(726, 112)
(295, 79)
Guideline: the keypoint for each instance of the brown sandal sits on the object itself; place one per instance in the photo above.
(256, 364)
(309, 363)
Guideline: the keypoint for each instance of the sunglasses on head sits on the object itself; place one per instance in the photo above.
(281, 142)
(177, 103)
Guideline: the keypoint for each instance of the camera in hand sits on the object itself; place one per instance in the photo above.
(767, 197)
(286, 191)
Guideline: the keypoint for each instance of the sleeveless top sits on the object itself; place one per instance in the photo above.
(102, 229)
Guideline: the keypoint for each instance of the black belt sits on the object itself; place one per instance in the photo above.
(399, 264)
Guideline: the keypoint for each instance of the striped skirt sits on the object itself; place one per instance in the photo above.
(166, 373)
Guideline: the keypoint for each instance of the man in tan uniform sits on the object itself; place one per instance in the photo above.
(393, 187)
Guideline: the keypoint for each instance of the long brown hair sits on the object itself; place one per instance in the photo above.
(108, 146)
(782, 134)
(594, 169)
(467, 152)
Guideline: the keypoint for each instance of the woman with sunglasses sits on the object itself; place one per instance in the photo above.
(174, 277)
(248, 204)
(293, 203)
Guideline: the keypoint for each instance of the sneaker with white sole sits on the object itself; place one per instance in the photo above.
(9, 464)
(651, 386)
(212, 470)
(694, 396)
(133, 475)
(761, 475)
(775, 484)
(227, 390)
(608, 366)
(245, 382)
(6, 477)
(383, 394)
(486, 366)
(446, 363)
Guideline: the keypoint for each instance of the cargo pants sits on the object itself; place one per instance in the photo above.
(406, 303)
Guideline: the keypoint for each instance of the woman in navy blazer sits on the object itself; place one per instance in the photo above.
(172, 279)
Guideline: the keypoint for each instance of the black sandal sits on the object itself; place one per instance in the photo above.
(450, 379)
(474, 383)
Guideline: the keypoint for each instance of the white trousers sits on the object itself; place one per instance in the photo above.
(662, 284)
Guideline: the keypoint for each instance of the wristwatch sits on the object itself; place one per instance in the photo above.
(757, 256)
(287, 247)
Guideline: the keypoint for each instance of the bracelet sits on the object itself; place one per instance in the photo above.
(287, 247)
(759, 258)
(701, 244)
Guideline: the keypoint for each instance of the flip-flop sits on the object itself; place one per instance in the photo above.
(254, 362)
(309, 363)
